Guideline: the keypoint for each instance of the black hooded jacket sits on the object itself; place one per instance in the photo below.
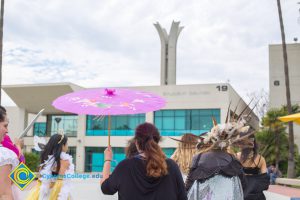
(129, 179)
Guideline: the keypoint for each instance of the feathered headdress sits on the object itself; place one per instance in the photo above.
(234, 131)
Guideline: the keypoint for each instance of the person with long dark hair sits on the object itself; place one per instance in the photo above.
(8, 161)
(55, 171)
(255, 170)
(147, 175)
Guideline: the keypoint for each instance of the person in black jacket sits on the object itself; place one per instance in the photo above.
(255, 169)
(215, 173)
(149, 175)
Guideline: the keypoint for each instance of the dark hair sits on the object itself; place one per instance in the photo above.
(131, 149)
(54, 147)
(147, 138)
(246, 152)
(2, 113)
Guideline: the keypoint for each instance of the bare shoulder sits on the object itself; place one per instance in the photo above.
(4, 171)
(64, 163)
(261, 160)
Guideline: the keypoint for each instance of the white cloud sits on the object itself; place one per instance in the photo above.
(114, 43)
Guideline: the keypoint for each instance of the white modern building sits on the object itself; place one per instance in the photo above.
(189, 109)
(277, 80)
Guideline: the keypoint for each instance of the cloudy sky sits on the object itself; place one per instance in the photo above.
(103, 43)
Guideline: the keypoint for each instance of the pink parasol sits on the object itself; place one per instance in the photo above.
(101, 102)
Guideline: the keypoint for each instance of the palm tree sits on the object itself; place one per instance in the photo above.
(274, 129)
(1, 44)
(291, 161)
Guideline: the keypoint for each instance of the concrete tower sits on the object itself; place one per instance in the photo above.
(168, 52)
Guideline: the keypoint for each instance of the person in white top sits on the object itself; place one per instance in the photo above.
(56, 171)
(8, 161)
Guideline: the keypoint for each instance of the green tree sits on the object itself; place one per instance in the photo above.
(275, 130)
(274, 140)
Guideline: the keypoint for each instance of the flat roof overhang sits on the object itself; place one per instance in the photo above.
(34, 97)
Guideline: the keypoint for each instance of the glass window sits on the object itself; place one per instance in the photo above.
(94, 158)
(158, 113)
(72, 152)
(178, 122)
(39, 129)
(67, 123)
(168, 151)
(168, 123)
(179, 113)
(195, 122)
(121, 125)
(168, 113)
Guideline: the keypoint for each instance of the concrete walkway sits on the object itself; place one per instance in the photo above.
(90, 189)
(283, 192)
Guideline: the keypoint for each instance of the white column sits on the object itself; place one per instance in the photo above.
(149, 117)
(80, 147)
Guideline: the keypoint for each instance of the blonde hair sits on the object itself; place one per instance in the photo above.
(185, 151)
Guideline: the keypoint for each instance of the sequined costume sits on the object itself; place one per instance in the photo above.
(215, 175)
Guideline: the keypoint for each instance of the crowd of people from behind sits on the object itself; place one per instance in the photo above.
(202, 167)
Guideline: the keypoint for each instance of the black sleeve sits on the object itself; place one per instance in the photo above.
(179, 181)
(112, 184)
(189, 180)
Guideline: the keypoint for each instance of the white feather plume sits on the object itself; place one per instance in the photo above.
(39, 142)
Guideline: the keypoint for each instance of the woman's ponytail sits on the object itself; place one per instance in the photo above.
(156, 159)
(147, 138)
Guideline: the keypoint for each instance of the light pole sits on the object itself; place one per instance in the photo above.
(1, 43)
(57, 119)
(299, 14)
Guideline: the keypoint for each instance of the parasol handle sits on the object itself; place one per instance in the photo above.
(108, 130)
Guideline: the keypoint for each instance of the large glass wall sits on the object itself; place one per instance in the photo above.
(67, 123)
(178, 122)
(121, 125)
(94, 157)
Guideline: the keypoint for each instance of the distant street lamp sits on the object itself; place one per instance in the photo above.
(1, 43)
(299, 14)
(57, 119)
